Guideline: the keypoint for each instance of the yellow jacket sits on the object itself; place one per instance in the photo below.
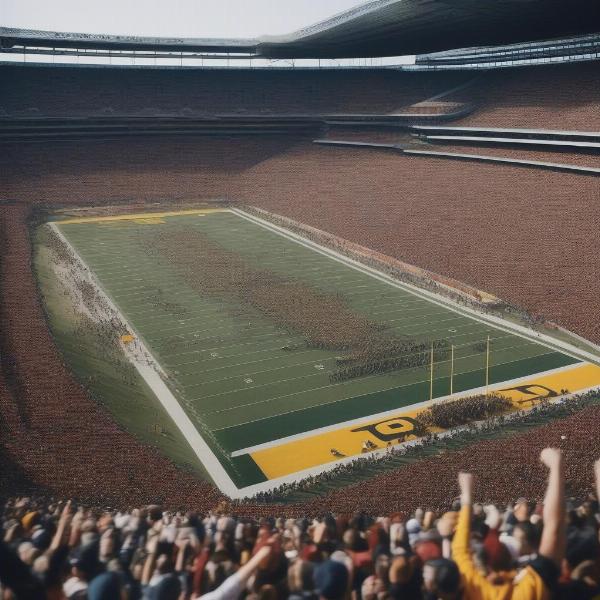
(528, 585)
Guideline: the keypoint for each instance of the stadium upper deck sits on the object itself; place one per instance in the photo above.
(376, 28)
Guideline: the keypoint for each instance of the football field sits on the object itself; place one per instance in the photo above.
(273, 350)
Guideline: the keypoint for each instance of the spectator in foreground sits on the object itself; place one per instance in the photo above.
(523, 552)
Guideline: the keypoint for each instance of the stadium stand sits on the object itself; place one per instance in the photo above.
(377, 204)
(454, 147)
(563, 159)
(562, 97)
(527, 236)
(43, 91)
(576, 48)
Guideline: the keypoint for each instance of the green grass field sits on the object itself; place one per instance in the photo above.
(244, 377)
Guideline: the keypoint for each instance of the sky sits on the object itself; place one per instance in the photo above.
(177, 18)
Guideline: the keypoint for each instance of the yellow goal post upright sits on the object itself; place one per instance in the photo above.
(431, 375)
(487, 366)
(451, 369)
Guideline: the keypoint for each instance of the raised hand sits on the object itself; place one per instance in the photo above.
(554, 534)
(61, 528)
(551, 457)
(465, 483)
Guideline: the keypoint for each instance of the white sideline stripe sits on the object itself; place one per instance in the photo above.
(163, 393)
(492, 320)
(395, 411)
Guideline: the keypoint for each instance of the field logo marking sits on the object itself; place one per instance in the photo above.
(145, 218)
(313, 449)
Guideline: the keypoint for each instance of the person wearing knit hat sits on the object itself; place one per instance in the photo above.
(29, 520)
(428, 545)
(331, 580)
(413, 528)
(497, 554)
(107, 586)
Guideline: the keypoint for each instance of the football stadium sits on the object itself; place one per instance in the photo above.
(281, 290)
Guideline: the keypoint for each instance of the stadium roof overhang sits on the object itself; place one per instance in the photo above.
(376, 28)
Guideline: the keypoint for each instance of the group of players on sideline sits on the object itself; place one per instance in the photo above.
(524, 551)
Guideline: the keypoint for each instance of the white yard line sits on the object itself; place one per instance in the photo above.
(346, 382)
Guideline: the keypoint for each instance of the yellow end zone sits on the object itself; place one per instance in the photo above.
(145, 218)
(314, 450)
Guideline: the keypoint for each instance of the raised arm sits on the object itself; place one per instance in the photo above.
(474, 582)
(460, 544)
(553, 542)
(61, 528)
(232, 587)
(150, 562)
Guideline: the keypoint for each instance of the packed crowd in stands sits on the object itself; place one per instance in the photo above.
(525, 550)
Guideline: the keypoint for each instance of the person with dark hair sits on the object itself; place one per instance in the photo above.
(441, 580)
(107, 586)
(233, 586)
(159, 581)
(16, 576)
(331, 580)
(528, 537)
